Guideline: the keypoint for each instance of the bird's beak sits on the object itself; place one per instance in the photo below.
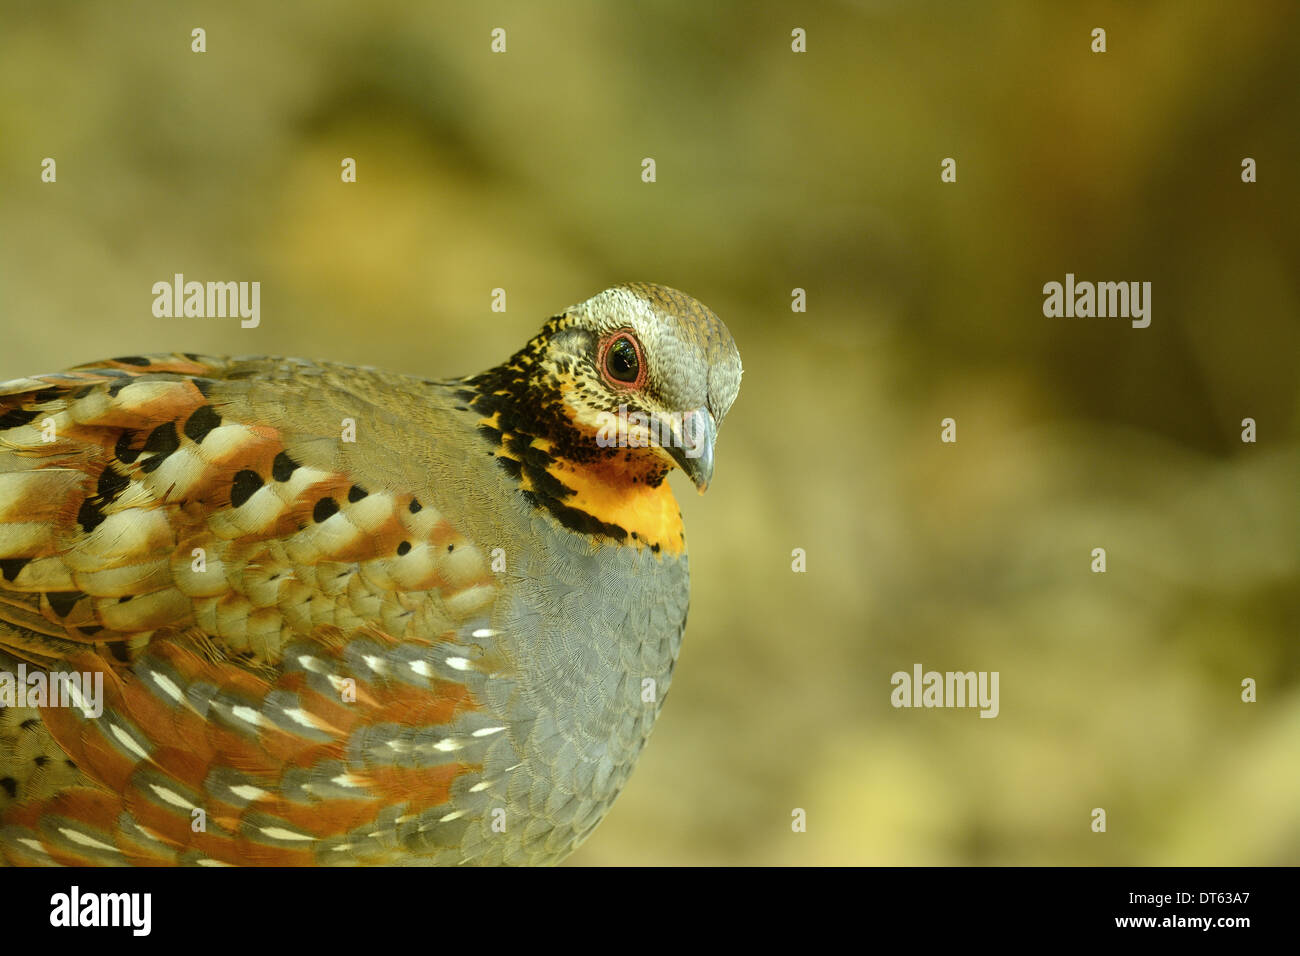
(693, 446)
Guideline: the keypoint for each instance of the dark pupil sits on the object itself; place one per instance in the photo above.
(621, 361)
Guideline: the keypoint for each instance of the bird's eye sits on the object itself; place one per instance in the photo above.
(623, 360)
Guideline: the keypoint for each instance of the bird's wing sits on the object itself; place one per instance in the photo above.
(287, 669)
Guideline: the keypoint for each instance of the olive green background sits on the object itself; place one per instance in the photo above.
(779, 170)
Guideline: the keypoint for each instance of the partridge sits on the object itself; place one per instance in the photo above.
(273, 611)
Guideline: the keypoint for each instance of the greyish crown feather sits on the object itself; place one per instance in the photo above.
(692, 357)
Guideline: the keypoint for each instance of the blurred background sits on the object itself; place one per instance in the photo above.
(776, 170)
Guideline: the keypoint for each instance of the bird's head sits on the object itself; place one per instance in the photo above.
(643, 366)
(614, 392)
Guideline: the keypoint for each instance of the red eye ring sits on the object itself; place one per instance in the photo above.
(614, 365)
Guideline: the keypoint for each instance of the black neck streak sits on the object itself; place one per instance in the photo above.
(529, 429)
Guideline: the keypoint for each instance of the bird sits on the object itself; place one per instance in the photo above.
(271, 611)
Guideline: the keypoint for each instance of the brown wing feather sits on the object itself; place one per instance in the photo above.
(232, 600)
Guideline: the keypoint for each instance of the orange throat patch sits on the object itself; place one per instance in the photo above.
(617, 496)
(626, 498)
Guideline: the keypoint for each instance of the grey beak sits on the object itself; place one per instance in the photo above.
(693, 446)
